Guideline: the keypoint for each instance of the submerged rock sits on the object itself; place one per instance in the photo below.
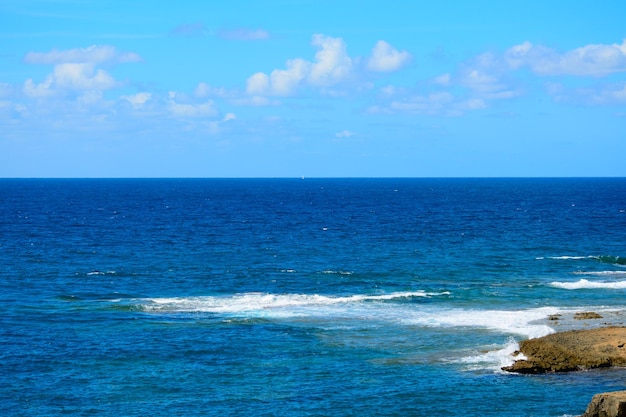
(608, 404)
(572, 351)
(587, 315)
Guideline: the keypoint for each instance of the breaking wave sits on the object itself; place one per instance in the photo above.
(601, 273)
(396, 308)
(615, 260)
(605, 259)
(249, 302)
(586, 284)
(493, 360)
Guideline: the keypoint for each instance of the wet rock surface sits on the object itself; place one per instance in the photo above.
(608, 404)
(572, 351)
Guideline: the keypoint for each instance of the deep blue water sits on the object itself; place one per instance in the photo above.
(290, 297)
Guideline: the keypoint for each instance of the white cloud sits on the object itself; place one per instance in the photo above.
(138, 100)
(441, 103)
(483, 74)
(609, 94)
(13, 110)
(203, 90)
(189, 110)
(378, 110)
(243, 34)
(284, 82)
(345, 134)
(70, 77)
(254, 101)
(40, 90)
(471, 104)
(385, 58)
(92, 55)
(75, 71)
(517, 55)
(332, 63)
(192, 110)
(487, 76)
(590, 60)
(5, 90)
(491, 76)
(90, 98)
(389, 90)
(479, 80)
(215, 127)
(229, 116)
(258, 83)
(619, 94)
(443, 79)
(331, 66)
(431, 104)
(82, 77)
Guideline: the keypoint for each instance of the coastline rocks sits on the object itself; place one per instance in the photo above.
(586, 315)
(572, 350)
(608, 404)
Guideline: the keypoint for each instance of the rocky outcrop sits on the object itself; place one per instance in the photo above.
(608, 404)
(586, 315)
(572, 350)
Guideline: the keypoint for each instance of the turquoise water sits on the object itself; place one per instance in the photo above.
(315, 297)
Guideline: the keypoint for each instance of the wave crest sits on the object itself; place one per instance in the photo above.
(605, 259)
(262, 301)
(586, 284)
(356, 310)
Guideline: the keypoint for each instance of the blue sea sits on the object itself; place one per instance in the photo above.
(302, 297)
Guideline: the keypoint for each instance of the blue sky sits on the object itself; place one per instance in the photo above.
(320, 88)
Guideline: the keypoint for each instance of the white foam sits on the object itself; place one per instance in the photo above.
(494, 360)
(610, 273)
(568, 257)
(616, 260)
(250, 302)
(586, 284)
(364, 310)
(382, 309)
(520, 322)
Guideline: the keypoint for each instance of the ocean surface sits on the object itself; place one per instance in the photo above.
(301, 297)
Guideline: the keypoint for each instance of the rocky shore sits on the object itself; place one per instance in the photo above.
(608, 404)
(571, 351)
(574, 350)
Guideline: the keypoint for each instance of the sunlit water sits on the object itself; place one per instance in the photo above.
(315, 297)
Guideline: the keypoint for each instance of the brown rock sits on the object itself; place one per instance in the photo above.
(586, 315)
(608, 404)
(573, 350)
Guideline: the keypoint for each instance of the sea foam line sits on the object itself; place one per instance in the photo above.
(609, 273)
(525, 323)
(263, 301)
(586, 284)
(607, 259)
(565, 258)
(493, 360)
(366, 310)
